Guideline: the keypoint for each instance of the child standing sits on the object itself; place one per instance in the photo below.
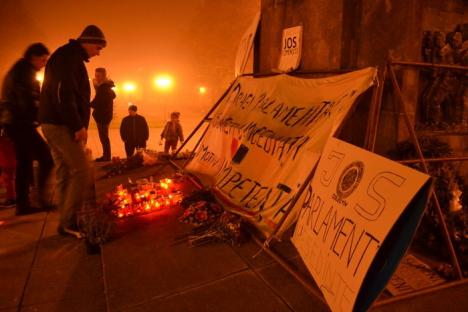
(172, 133)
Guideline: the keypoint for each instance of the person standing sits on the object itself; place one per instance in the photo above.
(172, 133)
(20, 94)
(134, 131)
(64, 111)
(103, 105)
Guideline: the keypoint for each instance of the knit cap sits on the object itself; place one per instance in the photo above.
(92, 34)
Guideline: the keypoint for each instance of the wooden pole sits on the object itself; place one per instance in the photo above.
(414, 137)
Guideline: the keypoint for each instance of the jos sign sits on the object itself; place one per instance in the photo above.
(291, 48)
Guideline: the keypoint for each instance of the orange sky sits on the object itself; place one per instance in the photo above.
(194, 40)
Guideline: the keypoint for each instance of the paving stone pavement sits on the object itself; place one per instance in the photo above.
(142, 269)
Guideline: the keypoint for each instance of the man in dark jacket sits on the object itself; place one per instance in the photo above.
(103, 109)
(20, 94)
(133, 131)
(64, 112)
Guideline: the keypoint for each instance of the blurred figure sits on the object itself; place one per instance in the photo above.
(64, 112)
(20, 94)
(134, 131)
(103, 109)
(172, 133)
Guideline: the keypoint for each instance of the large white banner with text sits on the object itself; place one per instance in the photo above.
(348, 211)
(267, 135)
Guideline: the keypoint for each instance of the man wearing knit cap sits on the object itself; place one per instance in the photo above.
(64, 112)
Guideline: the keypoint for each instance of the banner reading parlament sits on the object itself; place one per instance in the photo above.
(267, 135)
(356, 210)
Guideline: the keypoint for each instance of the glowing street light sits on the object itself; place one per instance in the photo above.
(129, 87)
(163, 82)
(202, 90)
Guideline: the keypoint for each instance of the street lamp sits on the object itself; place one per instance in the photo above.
(202, 90)
(163, 82)
(129, 87)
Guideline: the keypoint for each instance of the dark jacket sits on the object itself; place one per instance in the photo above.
(102, 103)
(134, 129)
(172, 131)
(65, 92)
(20, 94)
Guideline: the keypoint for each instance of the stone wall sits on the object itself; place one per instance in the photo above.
(347, 34)
(321, 21)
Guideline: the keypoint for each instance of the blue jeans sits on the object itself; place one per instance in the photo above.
(72, 171)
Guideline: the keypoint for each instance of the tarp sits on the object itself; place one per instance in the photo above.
(245, 46)
(358, 216)
(267, 135)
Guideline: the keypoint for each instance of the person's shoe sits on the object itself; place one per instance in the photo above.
(70, 231)
(102, 159)
(27, 210)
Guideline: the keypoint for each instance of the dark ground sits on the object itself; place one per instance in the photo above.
(143, 269)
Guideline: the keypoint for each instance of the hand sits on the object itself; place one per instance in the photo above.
(81, 135)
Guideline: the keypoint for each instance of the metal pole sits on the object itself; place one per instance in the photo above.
(371, 116)
(445, 231)
(305, 72)
(414, 161)
(195, 148)
(298, 194)
(204, 119)
(430, 65)
(419, 293)
(313, 290)
(379, 107)
(306, 182)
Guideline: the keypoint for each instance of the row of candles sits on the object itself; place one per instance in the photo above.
(146, 198)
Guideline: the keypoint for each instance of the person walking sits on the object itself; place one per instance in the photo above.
(134, 131)
(20, 96)
(172, 133)
(64, 111)
(103, 104)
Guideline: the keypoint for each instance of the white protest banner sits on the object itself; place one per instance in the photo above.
(245, 46)
(291, 49)
(358, 216)
(267, 135)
